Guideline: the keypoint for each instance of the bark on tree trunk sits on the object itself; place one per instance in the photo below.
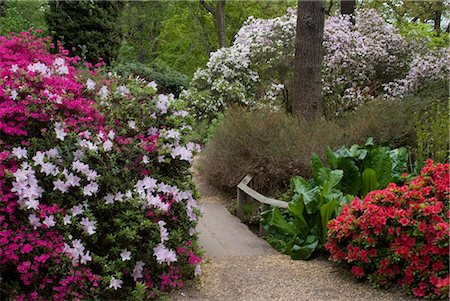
(307, 85)
(348, 7)
(437, 21)
(220, 20)
(219, 15)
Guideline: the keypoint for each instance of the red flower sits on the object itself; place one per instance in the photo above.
(357, 271)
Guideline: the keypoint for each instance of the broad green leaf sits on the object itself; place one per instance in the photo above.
(380, 161)
(305, 250)
(305, 193)
(399, 159)
(316, 165)
(331, 158)
(369, 181)
(330, 179)
(351, 181)
(296, 209)
(326, 213)
(369, 142)
(277, 220)
(300, 185)
(310, 199)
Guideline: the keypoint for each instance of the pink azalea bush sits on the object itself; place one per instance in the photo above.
(96, 198)
(399, 235)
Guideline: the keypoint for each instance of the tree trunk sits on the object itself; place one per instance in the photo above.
(219, 15)
(307, 85)
(348, 7)
(437, 19)
(220, 22)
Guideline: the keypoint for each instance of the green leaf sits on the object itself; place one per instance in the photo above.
(305, 193)
(331, 158)
(304, 251)
(316, 165)
(380, 161)
(276, 220)
(326, 213)
(310, 198)
(296, 209)
(330, 179)
(399, 159)
(369, 181)
(351, 181)
(369, 142)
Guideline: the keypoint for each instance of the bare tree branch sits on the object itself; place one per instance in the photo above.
(208, 7)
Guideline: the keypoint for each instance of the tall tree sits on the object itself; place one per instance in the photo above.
(86, 27)
(307, 98)
(348, 7)
(219, 15)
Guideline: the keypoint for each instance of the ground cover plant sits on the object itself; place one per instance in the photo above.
(302, 228)
(398, 235)
(96, 197)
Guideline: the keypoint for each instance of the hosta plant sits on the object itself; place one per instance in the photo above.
(302, 228)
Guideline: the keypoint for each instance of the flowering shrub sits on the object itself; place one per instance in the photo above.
(38, 87)
(96, 198)
(361, 61)
(399, 235)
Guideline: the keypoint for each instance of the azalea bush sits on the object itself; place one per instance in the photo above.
(363, 61)
(398, 235)
(96, 197)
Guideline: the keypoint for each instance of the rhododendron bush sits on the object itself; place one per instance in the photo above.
(362, 61)
(399, 235)
(96, 198)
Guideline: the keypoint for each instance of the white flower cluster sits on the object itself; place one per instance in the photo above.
(77, 252)
(361, 61)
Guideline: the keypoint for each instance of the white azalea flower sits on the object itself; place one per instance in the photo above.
(20, 152)
(126, 255)
(90, 84)
(115, 283)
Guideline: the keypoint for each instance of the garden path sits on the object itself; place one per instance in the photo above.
(241, 266)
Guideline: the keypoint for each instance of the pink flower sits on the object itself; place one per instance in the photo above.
(27, 249)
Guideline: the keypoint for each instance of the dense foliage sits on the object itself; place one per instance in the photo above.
(302, 229)
(88, 29)
(168, 80)
(399, 235)
(96, 197)
(362, 61)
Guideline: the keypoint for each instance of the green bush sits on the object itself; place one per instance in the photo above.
(168, 80)
(392, 122)
(88, 29)
(355, 171)
(432, 130)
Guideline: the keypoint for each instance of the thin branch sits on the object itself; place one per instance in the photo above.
(329, 8)
(208, 7)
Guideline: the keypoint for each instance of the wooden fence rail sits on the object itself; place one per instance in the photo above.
(243, 190)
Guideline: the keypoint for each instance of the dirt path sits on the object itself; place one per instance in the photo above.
(241, 266)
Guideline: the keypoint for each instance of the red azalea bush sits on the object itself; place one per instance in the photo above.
(399, 235)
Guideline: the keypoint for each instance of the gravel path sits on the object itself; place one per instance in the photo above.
(239, 266)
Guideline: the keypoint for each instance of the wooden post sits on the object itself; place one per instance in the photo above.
(240, 203)
(262, 231)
